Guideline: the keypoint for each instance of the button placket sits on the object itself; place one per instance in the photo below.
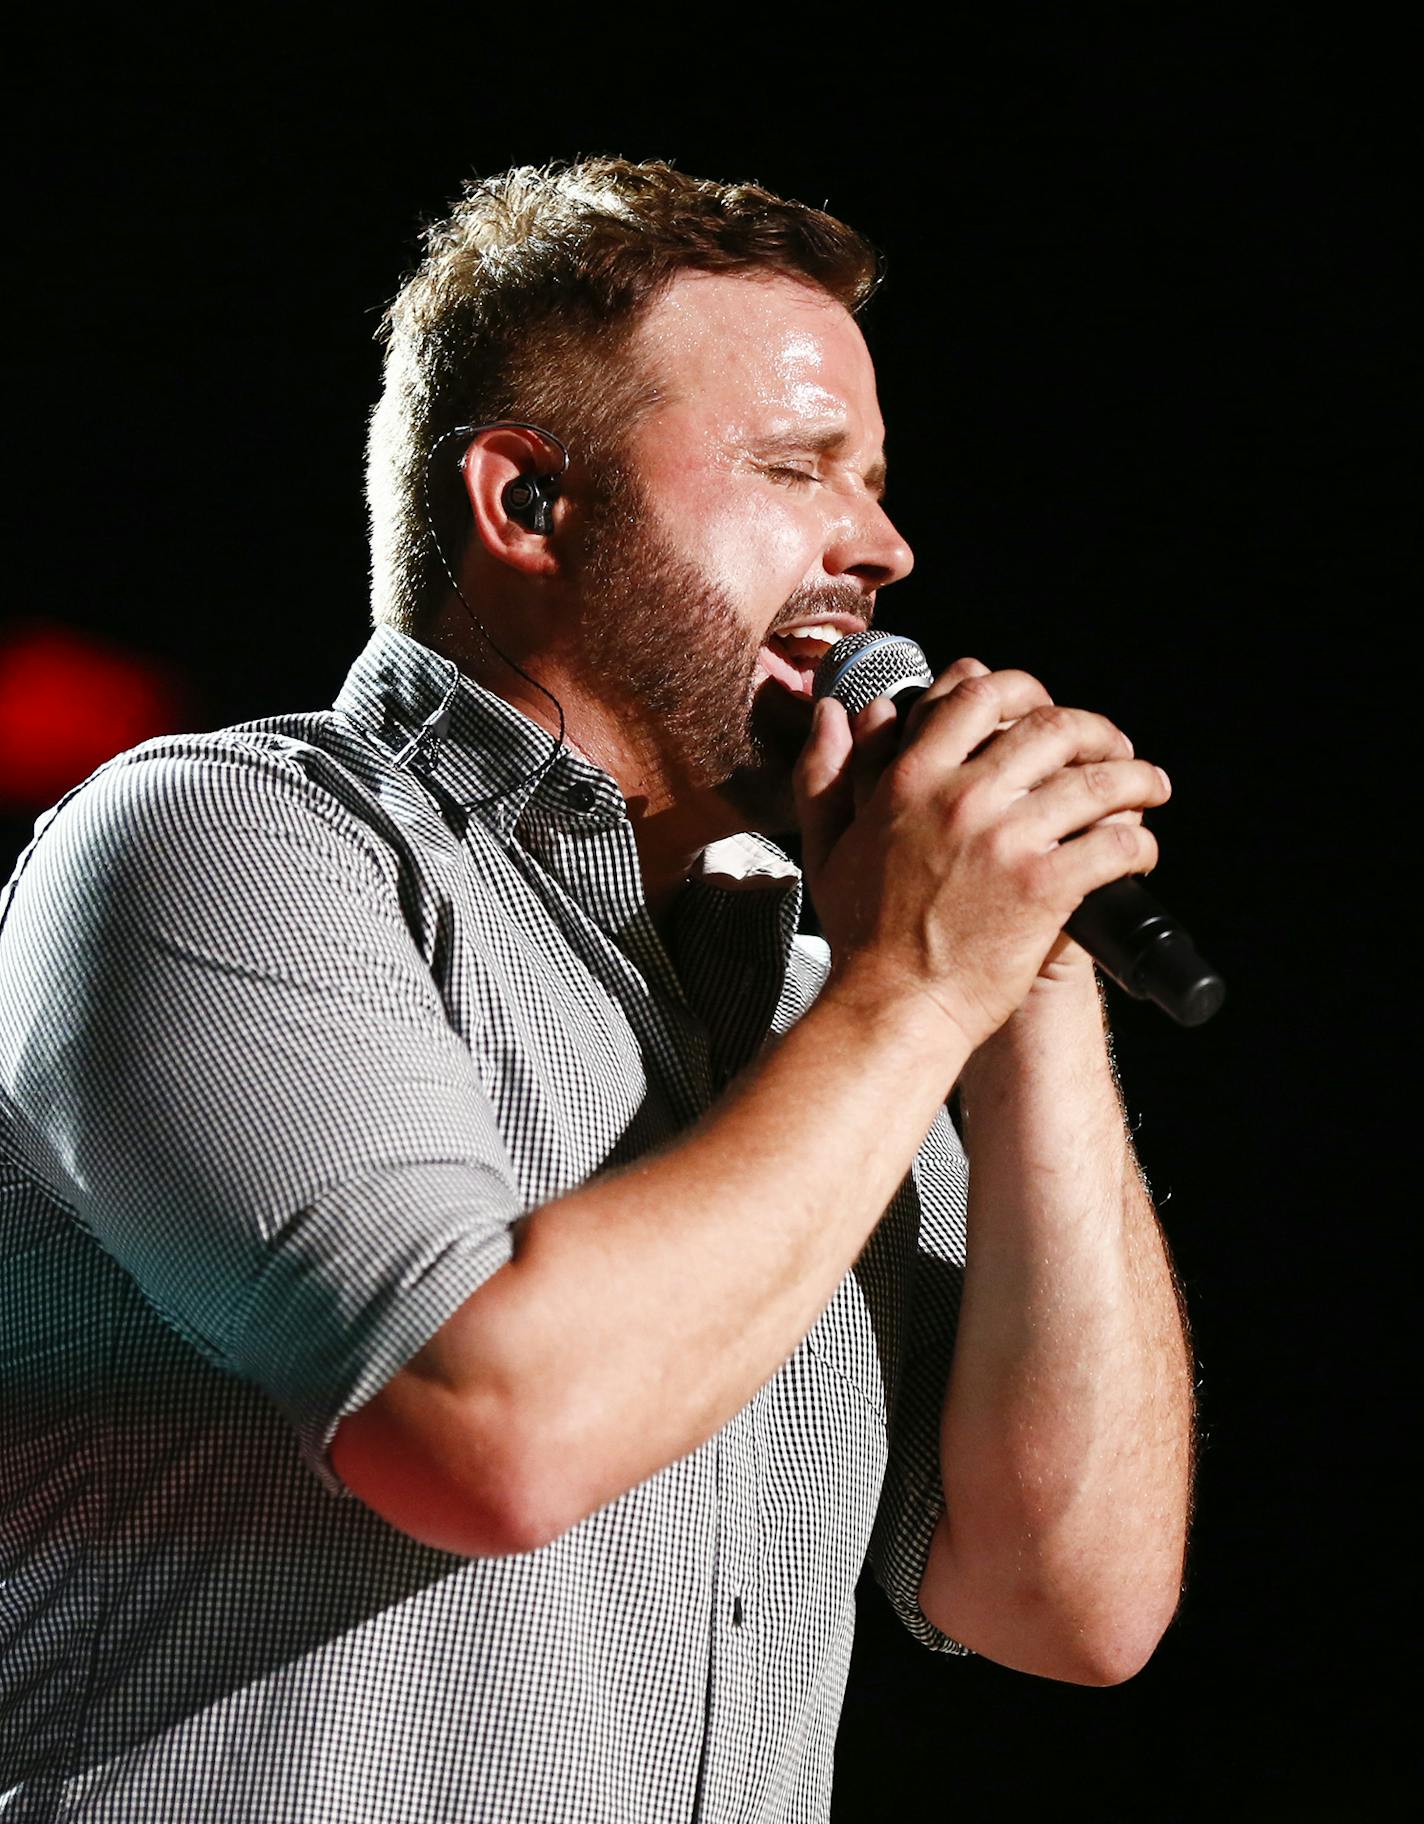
(732, 1742)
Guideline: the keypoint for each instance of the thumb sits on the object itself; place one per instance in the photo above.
(822, 781)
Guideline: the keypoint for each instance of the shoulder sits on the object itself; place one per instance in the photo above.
(207, 816)
(255, 776)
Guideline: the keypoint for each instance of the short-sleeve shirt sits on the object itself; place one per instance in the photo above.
(296, 1020)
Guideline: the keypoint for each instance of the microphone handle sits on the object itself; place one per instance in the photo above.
(1131, 937)
(1143, 948)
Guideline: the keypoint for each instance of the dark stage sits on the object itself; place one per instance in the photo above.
(1141, 355)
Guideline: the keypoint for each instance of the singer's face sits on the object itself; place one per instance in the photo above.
(746, 515)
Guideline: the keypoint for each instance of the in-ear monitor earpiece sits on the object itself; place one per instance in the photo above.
(530, 500)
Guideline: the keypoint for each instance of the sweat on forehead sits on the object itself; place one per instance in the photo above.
(755, 369)
(708, 323)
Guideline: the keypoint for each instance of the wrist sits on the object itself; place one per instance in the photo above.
(887, 1006)
(1060, 1026)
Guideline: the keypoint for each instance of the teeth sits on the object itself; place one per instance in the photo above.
(826, 635)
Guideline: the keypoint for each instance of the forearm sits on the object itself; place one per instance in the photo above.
(1066, 1432)
(642, 1311)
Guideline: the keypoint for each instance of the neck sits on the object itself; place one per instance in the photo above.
(672, 819)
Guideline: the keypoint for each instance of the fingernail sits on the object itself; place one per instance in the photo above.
(1167, 783)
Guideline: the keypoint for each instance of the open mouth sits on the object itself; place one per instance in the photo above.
(792, 655)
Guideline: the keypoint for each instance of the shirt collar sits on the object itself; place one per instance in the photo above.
(492, 758)
(487, 757)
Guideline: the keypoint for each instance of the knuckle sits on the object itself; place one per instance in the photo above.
(1038, 879)
(978, 687)
(1002, 849)
(969, 804)
(1029, 684)
(1100, 780)
(1055, 719)
(966, 668)
(902, 780)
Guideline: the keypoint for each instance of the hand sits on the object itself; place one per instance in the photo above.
(945, 863)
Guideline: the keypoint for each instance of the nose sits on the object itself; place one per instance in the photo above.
(866, 545)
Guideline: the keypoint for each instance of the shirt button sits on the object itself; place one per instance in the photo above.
(582, 796)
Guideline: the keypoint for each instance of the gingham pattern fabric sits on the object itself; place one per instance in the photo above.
(291, 1029)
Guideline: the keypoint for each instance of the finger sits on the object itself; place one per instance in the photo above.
(1048, 739)
(958, 722)
(1020, 689)
(941, 687)
(1107, 852)
(1064, 877)
(1078, 797)
(822, 783)
(876, 732)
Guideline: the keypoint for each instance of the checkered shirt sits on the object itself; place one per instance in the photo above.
(293, 1026)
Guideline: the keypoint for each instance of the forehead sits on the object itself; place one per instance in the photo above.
(759, 355)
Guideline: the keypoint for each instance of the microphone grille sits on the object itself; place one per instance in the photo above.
(868, 665)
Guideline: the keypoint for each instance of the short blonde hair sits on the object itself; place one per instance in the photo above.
(526, 297)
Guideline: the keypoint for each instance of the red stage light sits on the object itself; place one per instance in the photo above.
(67, 704)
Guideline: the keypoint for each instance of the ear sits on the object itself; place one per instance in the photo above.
(494, 459)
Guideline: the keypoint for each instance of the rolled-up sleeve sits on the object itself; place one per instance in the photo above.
(266, 1116)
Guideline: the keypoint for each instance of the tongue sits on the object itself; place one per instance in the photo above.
(782, 660)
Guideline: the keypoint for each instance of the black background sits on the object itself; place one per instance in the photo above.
(1141, 352)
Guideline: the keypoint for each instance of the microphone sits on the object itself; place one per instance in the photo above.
(1126, 932)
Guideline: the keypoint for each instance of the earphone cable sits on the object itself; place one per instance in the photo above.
(468, 431)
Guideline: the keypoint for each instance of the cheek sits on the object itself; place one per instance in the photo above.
(758, 550)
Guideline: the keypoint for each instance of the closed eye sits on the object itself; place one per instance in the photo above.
(791, 476)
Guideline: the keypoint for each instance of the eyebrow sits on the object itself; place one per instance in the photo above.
(822, 443)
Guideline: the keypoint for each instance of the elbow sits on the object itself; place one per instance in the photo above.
(429, 1469)
(1113, 1650)
(1077, 1638)
(532, 1510)
(503, 1515)
(470, 1516)
(1107, 1662)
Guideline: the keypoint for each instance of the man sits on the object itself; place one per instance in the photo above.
(434, 1094)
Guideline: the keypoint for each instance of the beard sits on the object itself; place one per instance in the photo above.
(664, 642)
